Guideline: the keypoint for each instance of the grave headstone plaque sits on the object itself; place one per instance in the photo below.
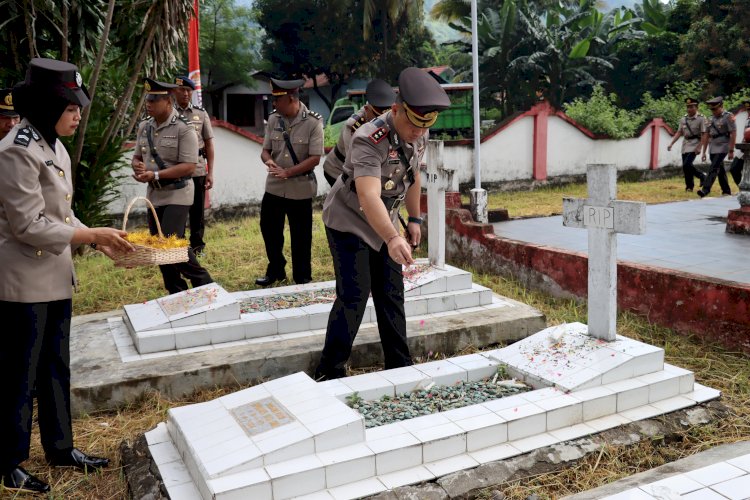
(604, 217)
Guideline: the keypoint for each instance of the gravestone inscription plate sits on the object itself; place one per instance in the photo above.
(261, 416)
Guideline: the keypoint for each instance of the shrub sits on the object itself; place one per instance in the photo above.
(600, 114)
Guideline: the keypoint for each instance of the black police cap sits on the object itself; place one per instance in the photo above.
(154, 87)
(422, 97)
(715, 102)
(60, 77)
(691, 101)
(380, 94)
(285, 87)
(6, 103)
(184, 81)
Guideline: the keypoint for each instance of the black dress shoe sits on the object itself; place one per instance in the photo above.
(701, 193)
(78, 459)
(268, 280)
(20, 480)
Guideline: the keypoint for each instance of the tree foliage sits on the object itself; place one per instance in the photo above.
(311, 37)
(138, 39)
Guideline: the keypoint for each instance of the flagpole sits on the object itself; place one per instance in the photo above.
(478, 195)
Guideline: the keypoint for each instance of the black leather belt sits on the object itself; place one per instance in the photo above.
(169, 184)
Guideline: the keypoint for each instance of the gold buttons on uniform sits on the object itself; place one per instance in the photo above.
(67, 197)
(286, 155)
(38, 253)
(389, 185)
(67, 220)
(61, 173)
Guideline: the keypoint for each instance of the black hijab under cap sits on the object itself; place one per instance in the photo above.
(49, 87)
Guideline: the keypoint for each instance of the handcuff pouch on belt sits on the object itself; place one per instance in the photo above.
(162, 183)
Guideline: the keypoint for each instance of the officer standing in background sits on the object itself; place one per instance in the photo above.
(203, 177)
(360, 214)
(292, 148)
(379, 96)
(165, 157)
(723, 131)
(8, 115)
(692, 128)
(738, 164)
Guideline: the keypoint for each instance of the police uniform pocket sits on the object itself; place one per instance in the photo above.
(301, 146)
(33, 253)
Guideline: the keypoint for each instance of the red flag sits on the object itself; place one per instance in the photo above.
(194, 65)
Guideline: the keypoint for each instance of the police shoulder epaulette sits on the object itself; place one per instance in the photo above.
(23, 137)
(314, 114)
(359, 121)
(199, 108)
(380, 134)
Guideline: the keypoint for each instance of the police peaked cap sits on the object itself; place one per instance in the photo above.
(422, 97)
(184, 81)
(59, 77)
(284, 87)
(691, 102)
(154, 87)
(380, 94)
(6, 103)
(716, 101)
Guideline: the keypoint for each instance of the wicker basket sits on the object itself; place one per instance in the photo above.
(149, 256)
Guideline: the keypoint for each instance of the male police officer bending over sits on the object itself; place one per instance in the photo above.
(381, 171)
(380, 97)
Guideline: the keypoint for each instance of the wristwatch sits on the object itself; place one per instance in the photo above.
(416, 220)
(156, 175)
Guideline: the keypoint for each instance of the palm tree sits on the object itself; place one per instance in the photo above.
(387, 13)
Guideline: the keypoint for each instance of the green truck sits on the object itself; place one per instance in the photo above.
(455, 121)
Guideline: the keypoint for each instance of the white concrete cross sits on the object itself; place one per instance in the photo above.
(437, 179)
(604, 217)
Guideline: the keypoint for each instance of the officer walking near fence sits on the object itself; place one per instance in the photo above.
(360, 214)
(692, 128)
(722, 132)
(8, 114)
(165, 156)
(380, 96)
(292, 148)
(203, 177)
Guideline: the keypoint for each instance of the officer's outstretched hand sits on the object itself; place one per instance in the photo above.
(400, 251)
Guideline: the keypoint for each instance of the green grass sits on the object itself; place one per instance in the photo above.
(236, 257)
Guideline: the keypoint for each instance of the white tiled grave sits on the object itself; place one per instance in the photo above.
(293, 437)
(208, 316)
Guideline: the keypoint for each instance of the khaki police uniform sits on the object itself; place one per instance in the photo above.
(37, 225)
(290, 197)
(332, 167)
(361, 258)
(719, 130)
(374, 153)
(175, 141)
(692, 129)
(36, 218)
(200, 120)
(306, 136)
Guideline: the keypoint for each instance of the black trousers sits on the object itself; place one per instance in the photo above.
(690, 171)
(197, 215)
(172, 219)
(736, 169)
(273, 210)
(359, 271)
(717, 170)
(35, 357)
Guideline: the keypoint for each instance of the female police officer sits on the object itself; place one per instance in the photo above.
(37, 230)
(360, 212)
